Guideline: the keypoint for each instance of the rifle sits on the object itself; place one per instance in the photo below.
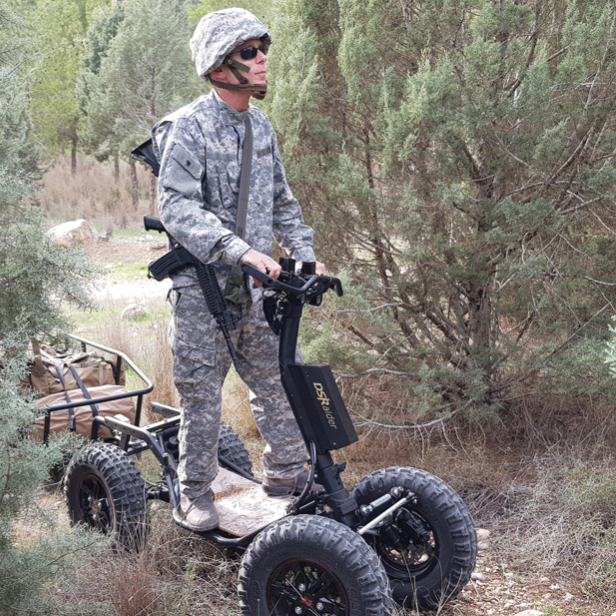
(178, 258)
(145, 153)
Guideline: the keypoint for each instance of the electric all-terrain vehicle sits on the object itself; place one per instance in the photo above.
(399, 533)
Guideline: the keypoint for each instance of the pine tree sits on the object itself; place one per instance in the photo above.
(458, 158)
(137, 70)
(59, 28)
(35, 277)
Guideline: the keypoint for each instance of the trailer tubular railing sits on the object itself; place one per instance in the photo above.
(120, 357)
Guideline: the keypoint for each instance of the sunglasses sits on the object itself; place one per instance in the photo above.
(250, 53)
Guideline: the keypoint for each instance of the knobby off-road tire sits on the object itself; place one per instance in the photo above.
(231, 447)
(105, 491)
(440, 542)
(311, 565)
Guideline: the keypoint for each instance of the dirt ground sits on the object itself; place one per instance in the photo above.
(119, 285)
(498, 587)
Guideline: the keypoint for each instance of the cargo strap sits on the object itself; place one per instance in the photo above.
(84, 390)
(71, 412)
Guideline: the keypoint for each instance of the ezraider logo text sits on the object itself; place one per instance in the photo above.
(324, 400)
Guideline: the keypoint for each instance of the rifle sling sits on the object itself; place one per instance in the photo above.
(242, 202)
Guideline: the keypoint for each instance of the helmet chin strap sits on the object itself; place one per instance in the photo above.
(257, 90)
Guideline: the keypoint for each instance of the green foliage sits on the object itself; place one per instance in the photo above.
(196, 10)
(322, 336)
(30, 561)
(96, 125)
(457, 157)
(57, 32)
(35, 277)
(136, 70)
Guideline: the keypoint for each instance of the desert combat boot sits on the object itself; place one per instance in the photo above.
(199, 514)
(286, 486)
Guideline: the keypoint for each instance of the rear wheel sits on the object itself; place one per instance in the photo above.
(428, 548)
(231, 448)
(105, 491)
(312, 565)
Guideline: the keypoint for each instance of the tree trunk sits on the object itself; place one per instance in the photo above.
(134, 184)
(74, 157)
(152, 195)
(116, 168)
(479, 318)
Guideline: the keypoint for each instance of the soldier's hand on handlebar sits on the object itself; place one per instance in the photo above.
(262, 262)
(321, 270)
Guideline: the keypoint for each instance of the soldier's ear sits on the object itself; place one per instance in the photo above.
(220, 74)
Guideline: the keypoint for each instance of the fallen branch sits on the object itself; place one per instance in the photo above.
(370, 422)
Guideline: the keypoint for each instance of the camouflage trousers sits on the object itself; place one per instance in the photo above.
(201, 363)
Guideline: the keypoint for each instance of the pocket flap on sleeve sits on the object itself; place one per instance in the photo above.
(182, 171)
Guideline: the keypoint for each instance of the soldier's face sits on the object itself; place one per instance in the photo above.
(258, 71)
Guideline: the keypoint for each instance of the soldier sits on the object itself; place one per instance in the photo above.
(200, 148)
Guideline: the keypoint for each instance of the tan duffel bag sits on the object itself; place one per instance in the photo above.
(51, 374)
(80, 419)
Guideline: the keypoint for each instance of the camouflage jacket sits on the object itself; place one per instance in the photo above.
(200, 150)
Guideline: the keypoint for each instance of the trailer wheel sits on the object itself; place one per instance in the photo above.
(105, 491)
(231, 448)
(308, 565)
(439, 543)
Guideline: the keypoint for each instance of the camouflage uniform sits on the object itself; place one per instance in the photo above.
(200, 149)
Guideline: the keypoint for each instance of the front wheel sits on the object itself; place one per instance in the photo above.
(105, 491)
(312, 565)
(428, 548)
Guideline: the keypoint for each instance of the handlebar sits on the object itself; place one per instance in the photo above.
(328, 282)
(323, 283)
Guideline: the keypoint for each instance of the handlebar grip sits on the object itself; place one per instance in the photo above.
(252, 271)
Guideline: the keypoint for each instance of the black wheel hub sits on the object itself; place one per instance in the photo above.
(414, 550)
(305, 587)
(94, 503)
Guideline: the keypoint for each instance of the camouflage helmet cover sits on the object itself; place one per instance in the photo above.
(220, 32)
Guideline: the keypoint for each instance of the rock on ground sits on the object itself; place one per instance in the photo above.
(71, 233)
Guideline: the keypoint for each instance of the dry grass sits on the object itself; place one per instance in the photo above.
(176, 573)
(564, 522)
(145, 342)
(236, 407)
(93, 193)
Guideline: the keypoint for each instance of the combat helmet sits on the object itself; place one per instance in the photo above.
(219, 33)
